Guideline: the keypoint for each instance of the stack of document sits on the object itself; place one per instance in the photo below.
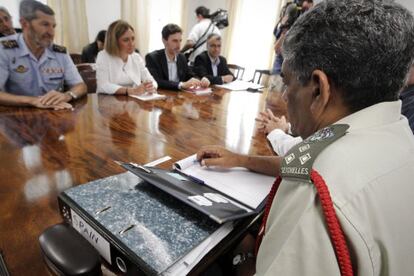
(239, 85)
(245, 186)
(149, 97)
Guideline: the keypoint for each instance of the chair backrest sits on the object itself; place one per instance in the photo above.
(238, 71)
(76, 58)
(88, 74)
(85, 66)
(257, 76)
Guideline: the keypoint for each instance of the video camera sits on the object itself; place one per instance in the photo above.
(220, 18)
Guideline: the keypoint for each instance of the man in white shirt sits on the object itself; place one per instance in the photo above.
(278, 132)
(199, 33)
(336, 78)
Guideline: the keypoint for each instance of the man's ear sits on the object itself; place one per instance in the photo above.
(321, 92)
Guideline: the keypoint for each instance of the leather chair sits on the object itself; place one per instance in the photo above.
(76, 58)
(88, 74)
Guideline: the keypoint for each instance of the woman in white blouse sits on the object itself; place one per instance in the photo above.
(119, 69)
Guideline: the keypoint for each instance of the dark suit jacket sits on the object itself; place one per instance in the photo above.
(156, 63)
(202, 68)
(89, 53)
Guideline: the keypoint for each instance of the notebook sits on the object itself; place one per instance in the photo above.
(221, 194)
(149, 97)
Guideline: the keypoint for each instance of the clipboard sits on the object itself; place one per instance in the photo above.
(191, 191)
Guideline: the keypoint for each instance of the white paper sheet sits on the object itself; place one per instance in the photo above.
(199, 91)
(148, 97)
(241, 184)
(239, 85)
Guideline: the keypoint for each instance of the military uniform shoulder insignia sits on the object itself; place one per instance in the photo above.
(10, 44)
(59, 49)
(298, 162)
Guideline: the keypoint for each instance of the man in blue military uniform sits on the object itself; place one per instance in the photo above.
(33, 70)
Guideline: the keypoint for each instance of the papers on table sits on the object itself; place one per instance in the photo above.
(149, 97)
(198, 90)
(241, 184)
(239, 85)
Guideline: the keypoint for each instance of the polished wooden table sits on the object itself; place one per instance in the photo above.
(44, 152)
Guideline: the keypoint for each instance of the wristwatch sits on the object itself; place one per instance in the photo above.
(241, 258)
(73, 95)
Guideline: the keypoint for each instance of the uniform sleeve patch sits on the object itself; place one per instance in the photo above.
(10, 44)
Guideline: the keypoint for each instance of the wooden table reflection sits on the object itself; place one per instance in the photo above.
(44, 152)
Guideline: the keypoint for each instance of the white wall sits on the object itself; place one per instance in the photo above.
(409, 4)
(100, 14)
(13, 7)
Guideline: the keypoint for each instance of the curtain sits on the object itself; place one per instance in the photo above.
(71, 24)
(250, 38)
(135, 12)
(233, 8)
(280, 5)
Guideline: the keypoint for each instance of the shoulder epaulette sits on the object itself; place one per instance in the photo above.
(298, 161)
(59, 49)
(10, 44)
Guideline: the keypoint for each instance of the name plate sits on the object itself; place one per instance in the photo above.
(91, 236)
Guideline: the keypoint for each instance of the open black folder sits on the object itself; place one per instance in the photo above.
(219, 206)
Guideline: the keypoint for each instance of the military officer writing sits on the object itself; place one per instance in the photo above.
(33, 70)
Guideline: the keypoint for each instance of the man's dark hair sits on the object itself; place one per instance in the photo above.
(203, 11)
(365, 47)
(28, 9)
(213, 35)
(170, 29)
(101, 36)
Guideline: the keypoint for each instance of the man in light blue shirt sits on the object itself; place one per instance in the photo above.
(33, 70)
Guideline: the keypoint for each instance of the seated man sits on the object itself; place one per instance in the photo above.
(6, 24)
(211, 65)
(33, 71)
(277, 130)
(347, 99)
(168, 66)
